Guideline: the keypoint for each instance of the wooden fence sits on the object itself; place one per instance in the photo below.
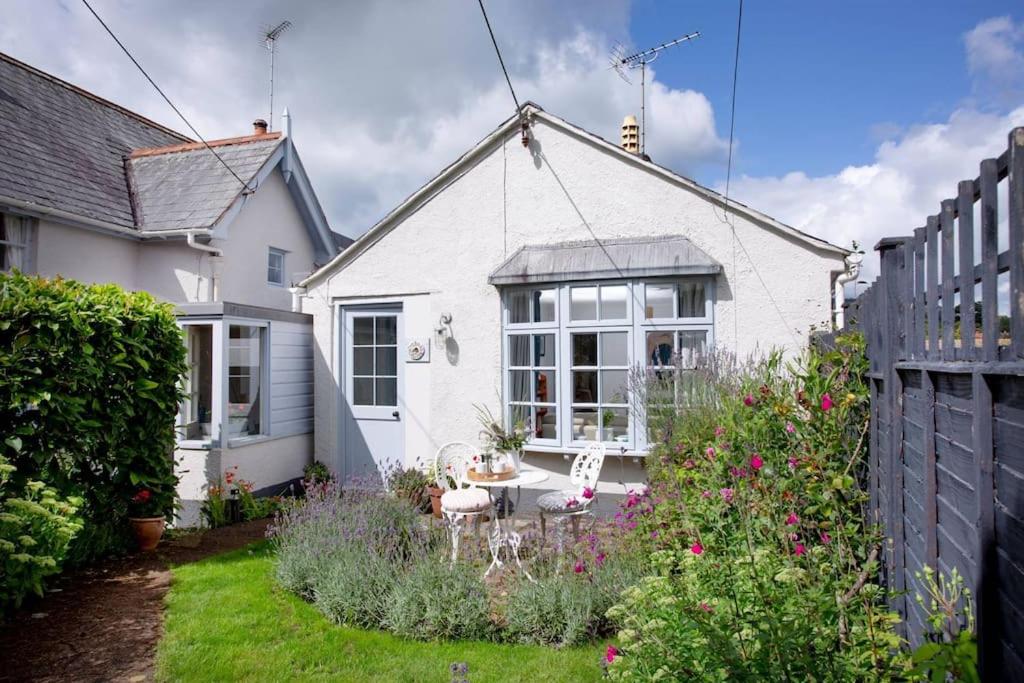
(947, 405)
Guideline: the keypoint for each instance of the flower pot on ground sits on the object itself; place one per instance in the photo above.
(148, 531)
(410, 484)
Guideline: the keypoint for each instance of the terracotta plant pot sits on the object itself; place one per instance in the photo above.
(148, 531)
(435, 493)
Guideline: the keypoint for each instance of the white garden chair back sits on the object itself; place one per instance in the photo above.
(458, 504)
(451, 463)
(586, 467)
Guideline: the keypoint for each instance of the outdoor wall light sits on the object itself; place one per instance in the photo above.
(443, 329)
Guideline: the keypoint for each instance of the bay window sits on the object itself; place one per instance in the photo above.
(574, 351)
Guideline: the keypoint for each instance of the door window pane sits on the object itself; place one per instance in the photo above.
(613, 302)
(544, 350)
(387, 330)
(583, 303)
(544, 305)
(387, 391)
(614, 348)
(546, 422)
(362, 331)
(375, 360)
(691, 299)
(362, 391)
(658, 301)
(362, 361)
(584, 349)
(245, 368)
(387, 361)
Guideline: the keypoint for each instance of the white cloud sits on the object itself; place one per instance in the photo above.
(995, 56)
(383, 94)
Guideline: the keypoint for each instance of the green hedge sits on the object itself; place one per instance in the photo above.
(89, 390)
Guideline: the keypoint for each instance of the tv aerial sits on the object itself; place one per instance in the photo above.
(623, 62)
(269, 38)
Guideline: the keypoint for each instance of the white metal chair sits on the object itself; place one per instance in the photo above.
(578, 501)
(459, 503)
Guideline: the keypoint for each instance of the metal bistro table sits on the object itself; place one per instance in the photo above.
(503, 531)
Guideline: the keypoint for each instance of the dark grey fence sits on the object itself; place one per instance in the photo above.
(944, 323)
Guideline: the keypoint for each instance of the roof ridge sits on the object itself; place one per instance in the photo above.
(92, 96)
(192, 146)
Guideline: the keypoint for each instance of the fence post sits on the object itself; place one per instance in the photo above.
(965, 231)
(1016, 210)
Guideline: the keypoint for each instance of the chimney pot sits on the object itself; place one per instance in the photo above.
(630, 135)
(259, 127)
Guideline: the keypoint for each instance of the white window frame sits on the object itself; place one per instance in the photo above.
(265, 341)
(217, 396)
(272, 252)
(26, 251)
(636, 325)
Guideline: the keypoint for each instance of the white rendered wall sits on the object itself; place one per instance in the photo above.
(561, 189)
(85, 255)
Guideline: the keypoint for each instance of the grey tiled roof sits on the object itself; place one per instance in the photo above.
(341, 242)
(179, 190)
(64, 148)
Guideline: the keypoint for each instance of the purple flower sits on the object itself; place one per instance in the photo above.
(790, 428)
(748, 400)
(580, 567)
(726, 495)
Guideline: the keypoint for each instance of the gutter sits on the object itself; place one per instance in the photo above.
(216, 263)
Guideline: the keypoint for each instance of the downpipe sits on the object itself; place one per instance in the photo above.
(216, 263)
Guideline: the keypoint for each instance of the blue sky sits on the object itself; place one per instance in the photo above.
(820, 83)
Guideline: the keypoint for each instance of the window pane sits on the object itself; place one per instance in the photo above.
(546, 425)
(584, 349)
(613, 302)
(519, 350)
(544, 350)
(519, 307)
(387, 391)
(519, 415)
(244, 370)
(691, 300)
(387, 329)
(545, 386)
(387, 361)
(658, 300)
(583, 303)
(362, 361)
(362, 391)
(584, 386)
(544, 306)
(614, 348)
(519, 386)
(660, 349)
(362, 331)
(584, 424)
(614, 386)
(691, 347)
(615, 425)
(200, 381)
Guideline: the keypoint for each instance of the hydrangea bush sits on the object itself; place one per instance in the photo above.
(763, 562)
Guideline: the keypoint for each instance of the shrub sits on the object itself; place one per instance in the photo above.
(409, 484)
(354, 587)
(36, 526)
(763, 561)
(89, 389)
(433, 601)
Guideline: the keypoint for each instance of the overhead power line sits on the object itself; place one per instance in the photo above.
(498, 50)
(166, 98)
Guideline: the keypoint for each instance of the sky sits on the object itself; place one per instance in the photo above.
(853, 120)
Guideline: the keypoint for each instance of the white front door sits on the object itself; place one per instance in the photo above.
(372, 436)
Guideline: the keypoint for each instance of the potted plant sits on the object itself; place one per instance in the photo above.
(434, 486)
(505, 445)
(146, 515)
(410, 484)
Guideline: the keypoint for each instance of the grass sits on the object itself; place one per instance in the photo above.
(226, 620)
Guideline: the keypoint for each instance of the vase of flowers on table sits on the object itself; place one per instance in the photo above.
(502, 446)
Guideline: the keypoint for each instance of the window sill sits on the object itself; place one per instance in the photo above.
(195, 444)
(240, 441)
(610, 450)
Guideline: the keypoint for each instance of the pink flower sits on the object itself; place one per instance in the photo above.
(696, 548)
(654, 534)
(610, 654)
(825, 538)
(756, 462)
(710, 452)
(792, 519)
(799, 550)
(719, 431)
(748, 400)
(588, 492)
(706, 607)
(580, 567)
(599, 559)
(726, 495)
(689, 464)
(793, 462)
(705, 494)
(790, 428)
(826, 402)
(571, 502)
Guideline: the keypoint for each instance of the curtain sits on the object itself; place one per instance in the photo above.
(15, 235)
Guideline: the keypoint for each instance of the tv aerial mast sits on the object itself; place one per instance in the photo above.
(269, 38)
(622, 62)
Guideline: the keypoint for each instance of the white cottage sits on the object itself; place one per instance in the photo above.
(97, 193)
(530, 276)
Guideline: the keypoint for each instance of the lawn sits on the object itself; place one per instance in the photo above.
(226, 620)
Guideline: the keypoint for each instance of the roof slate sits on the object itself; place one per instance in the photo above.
(181, 190)
(64, 148)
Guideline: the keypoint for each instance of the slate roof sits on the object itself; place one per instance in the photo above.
(604, 260)
(341, 242)
(64, 148)
(186, 187)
